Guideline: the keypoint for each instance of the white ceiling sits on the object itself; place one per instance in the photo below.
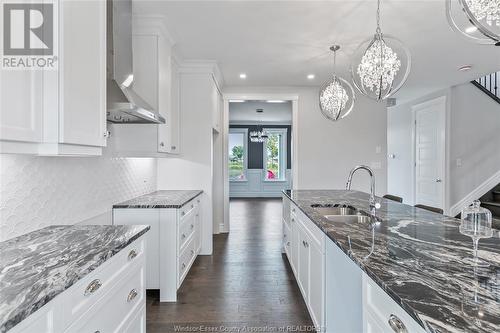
(245, 113)
(277, 43)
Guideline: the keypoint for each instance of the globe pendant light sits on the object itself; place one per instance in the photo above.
(336, 96)
(380, 65)
(476, 20)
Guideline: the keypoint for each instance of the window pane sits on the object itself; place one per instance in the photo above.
(273, 146)
(236, 156)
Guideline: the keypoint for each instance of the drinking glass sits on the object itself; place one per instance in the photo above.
(476, 223)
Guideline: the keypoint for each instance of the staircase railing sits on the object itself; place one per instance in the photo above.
(490, 85)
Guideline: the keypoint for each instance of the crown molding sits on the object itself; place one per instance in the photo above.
(152, 24)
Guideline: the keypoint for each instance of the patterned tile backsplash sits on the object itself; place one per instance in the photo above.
(39, 191)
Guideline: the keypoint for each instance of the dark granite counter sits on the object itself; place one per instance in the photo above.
(161, 199)
(38, 266)
(418, 260)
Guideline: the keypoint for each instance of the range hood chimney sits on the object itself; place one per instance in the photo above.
(124, 105)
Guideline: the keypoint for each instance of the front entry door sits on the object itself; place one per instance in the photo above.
(430, 124)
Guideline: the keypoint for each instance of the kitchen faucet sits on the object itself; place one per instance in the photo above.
(373, 205)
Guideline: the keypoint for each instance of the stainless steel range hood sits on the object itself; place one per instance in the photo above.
(124, 105)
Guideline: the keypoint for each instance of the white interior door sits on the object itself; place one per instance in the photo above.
(430, 124)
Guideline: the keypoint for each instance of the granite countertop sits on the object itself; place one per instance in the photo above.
(38, 266)
(418, 260)
(161, 199)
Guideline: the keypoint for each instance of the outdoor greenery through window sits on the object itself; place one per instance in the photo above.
(275, 154)
(237, 155)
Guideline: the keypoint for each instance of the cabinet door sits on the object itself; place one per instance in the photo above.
(295, 243)
(316, 285)
(146, 71)
(173, 144)
(21, 105)
(164, 94)
(82, 86)
(304, 263)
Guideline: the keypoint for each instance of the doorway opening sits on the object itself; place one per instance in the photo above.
(259, 148)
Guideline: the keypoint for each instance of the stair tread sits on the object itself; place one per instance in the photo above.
(491, 203)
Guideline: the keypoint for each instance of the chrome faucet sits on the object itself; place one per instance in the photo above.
(373, 205)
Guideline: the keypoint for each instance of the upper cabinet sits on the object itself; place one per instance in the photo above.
(62, 110)
(217, 106)
(156, 80)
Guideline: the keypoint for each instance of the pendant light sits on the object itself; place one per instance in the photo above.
(336, 96)
(380, 65)
(258, 135)
(476, 20)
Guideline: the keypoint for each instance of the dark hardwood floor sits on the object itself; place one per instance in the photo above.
(247, 284)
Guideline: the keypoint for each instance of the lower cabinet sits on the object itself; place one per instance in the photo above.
(110, 299)
(174, 242)
(304, 246)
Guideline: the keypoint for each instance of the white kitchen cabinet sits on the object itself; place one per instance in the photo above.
(307, 258)
(109, 299)
(174, 242)
(62, 111)
(216, 107)
(156, 80)
(380, 311)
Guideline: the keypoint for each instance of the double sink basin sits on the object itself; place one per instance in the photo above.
(343, 214)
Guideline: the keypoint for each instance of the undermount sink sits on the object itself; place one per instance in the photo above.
(342, 213)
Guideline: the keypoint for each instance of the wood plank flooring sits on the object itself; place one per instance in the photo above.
(247, 284)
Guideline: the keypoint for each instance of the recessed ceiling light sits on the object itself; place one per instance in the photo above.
(471, 29)
(311, 76)
(275, 101)
(243, 76)
(236, 101)
(464, 68)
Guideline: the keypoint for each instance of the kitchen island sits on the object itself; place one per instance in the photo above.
(416, 257)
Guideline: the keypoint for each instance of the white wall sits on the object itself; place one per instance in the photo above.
(327, 151)
(256, 187)
(475, 139)
(243, 113)
(41, 191)
(192, 170)
(473, 134)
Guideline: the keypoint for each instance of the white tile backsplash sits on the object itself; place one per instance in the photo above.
(39, 191)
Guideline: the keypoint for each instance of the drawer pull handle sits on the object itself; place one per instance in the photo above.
(192, 226)
(284, 235)
(192, 205)
(131, 295)
(293, 220)
(183, 265)
(287, 243)
(293, 210)
(92, 287)
(192, 252)
(132, 254)
(396, 324)
(183, 213)
(198, 201)
(183, 236)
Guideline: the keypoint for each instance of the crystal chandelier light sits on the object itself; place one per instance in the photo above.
(477, 20)
(336, 96)
(258, 136)
(380, 65)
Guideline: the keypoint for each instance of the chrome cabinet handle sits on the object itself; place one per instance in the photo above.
(287, 243)
(162, 144)
(438, 180)
(293, 210)
(131, 295)
(293, 220)
(284, 235)
(192, 226)
(173, 147)
(192, 205)
(132, 254)
(183, 265)
(192, 252)
(92, 287)
(183, 236)
(396, 324)
(183, 213)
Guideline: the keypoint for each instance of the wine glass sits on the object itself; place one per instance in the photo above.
(476, 223)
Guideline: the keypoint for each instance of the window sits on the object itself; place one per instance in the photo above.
(275, 157)
(238, 154)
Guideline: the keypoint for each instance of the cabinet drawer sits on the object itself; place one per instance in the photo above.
(115, 309)
(98, 283)
(186, 229)
(185, 210)
(186, 258)
(379, 308)
(287, 239)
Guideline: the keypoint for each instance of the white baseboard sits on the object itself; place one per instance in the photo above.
(476, 194)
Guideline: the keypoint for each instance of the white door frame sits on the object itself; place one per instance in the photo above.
(225, 226)
(441, 101)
